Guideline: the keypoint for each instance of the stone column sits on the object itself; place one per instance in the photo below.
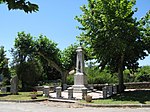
(46, 91)
(58, 92)
(84, 93)
(70, 93)
(79, 77)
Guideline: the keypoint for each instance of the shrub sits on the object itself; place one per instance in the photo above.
(94, 76)
(143, 74)
(70, 79)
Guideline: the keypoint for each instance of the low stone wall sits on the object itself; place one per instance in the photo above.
(138, 85)
(41, 88)
(133, 85)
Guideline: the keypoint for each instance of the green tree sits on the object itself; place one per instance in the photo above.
(24, 5)
(113, 35)
(62, 61)
(26, 64)
(4, 69)
(68, 59)
(49, 55)
(143, 74)
(46, 52)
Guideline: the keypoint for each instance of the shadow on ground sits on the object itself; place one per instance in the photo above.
(137, 95)
(3, 95)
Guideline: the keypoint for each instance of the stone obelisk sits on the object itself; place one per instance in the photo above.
(80, 80)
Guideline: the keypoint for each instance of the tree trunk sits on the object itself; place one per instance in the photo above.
(63, 78)
(120, 75)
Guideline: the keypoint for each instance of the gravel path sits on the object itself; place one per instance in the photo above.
(47, 106)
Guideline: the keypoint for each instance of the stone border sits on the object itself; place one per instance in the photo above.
(62, 100)
(24, 101)
(82, 104)
(114, 105)
(101, 105)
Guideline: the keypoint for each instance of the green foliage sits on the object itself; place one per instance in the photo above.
(113, 36)
(25, 63)
(29, 73)
(4, 69)
(24, 5)
(23, 48)
(48, 48)
(95, 76)
(68, 57)
(56, 64)
(128, 76)
(70, 80)
(145, 30)
(143, 74)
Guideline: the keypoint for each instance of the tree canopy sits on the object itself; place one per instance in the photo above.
(42, 52)
(115, 38)
(24, 5)
(4, 70)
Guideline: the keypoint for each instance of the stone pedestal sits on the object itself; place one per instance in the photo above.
(70, 93)
(46, 91)
(114, 89)
(110, 90)
(80, 79)
(104, 89)
(55, 85)
(79, 82)
(58, 92)
(84, 93)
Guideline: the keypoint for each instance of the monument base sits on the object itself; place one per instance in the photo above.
(80, 82)
(78, 88)
(80, 79)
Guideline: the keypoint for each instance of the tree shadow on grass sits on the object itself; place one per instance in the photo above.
(137, 95)
(5, 94)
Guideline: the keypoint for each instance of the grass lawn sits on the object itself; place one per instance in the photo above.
(128, 97)
(21, 96)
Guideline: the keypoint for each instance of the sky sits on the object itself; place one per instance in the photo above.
(55, 19)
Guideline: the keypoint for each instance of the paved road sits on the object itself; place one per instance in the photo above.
(60, 107)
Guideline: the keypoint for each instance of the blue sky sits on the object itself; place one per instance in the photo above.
(55, 19)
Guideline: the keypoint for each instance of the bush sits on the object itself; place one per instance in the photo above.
(70, 80)
(143, 74)
(94, 76)
(128, 77)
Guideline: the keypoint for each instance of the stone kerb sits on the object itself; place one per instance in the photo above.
(58, 92)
